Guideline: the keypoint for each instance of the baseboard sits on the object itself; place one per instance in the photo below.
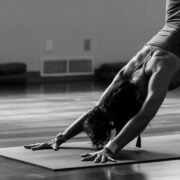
(35, 77)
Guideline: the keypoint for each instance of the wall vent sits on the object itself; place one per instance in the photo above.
(66, 66)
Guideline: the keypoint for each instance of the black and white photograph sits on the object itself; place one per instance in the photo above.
(89, 89)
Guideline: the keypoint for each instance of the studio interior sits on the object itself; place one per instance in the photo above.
(63, 63)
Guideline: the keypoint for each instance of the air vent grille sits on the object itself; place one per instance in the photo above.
(80, 65)
(64, 66)
(55, 66)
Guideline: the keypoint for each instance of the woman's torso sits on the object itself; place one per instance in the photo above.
(138, 70)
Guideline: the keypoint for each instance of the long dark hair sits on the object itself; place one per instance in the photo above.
(118, 106)
(98, 127)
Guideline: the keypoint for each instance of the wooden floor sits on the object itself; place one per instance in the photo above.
(38, 112)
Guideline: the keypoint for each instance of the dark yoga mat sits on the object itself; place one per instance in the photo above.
(158, 148)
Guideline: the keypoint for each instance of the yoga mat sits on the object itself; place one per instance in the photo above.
(158, 148)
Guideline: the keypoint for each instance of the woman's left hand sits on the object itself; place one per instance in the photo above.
(101, 156)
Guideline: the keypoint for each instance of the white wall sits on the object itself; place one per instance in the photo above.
(117, 28)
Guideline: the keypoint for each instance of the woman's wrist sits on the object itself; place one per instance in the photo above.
(60, 137)
(111, 146)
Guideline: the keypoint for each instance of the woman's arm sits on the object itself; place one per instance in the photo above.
(157, 89)
(75, 128)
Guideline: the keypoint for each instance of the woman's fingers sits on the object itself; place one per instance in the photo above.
(31, 145)
(89, 158)
(104, 159)
(86, 154)
(42, 146)
(39, 146)
(111, 159)
(98, 158)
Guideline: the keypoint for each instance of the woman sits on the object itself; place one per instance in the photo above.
(134, 96)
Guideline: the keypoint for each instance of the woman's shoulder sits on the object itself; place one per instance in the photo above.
(163, 60)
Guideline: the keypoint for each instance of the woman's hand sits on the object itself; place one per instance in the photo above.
(101, 156)
(41, 146)
(51, 144)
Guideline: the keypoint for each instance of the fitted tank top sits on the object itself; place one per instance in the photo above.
(168, 38)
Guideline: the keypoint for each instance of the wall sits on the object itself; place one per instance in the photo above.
(117, 28)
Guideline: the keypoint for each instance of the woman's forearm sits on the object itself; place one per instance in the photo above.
(75, 128)
(138, 123)
(132, 129)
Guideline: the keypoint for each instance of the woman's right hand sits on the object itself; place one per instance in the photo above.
(51, 144)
